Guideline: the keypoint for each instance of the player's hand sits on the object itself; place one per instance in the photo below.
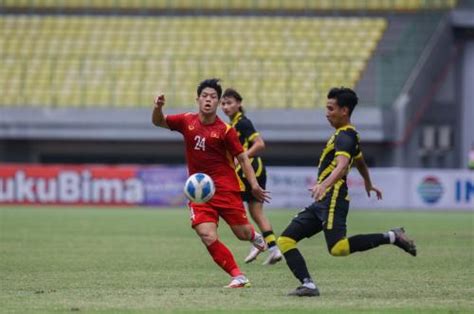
(159, 101)
(318, 191)
(370, 188)
(260, 194)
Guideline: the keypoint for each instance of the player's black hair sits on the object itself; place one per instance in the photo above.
(345, 97)
(230, 92)
(211, 83)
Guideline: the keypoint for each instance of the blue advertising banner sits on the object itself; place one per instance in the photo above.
(163, 185)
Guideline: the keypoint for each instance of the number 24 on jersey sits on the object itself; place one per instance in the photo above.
(200, 143)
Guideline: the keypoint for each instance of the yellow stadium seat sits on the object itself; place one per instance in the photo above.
(238, 4)
(122, 61)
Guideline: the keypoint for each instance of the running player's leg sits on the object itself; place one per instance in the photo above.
(204, 221)
(263, 223)
(254, 251)
(245, 231)
(256, 212)
(233, 212)
(304, 225)
(339, 245)
(223, 257)
(364, 242)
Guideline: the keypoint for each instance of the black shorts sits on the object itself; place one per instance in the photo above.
(321, 216)
(260, 173)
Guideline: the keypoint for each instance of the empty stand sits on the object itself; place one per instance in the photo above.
(402, 5)
(122, 61)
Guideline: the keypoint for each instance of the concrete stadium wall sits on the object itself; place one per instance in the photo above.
(127, 135)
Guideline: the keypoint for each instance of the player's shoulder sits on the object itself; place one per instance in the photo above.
(243, 122)
(348, 130)
(347, 134)
(227, 127)
(221, 125)
(191, 118)
(244, 119)
(190, 115)
(185, 115)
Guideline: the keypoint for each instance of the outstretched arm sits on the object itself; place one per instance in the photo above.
(158, 118)
(257, 191)
(364, 172)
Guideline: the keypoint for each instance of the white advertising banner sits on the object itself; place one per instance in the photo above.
(443, 189)
(392, 183)
(289, 186)
(402, 188)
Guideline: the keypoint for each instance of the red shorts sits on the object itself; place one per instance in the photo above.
(228, 205)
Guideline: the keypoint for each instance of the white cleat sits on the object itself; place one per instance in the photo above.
(239, 282)
(252, 255)
(259, 242)
(274, 256)
(259, 246)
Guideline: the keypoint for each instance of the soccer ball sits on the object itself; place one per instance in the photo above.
(199, 188)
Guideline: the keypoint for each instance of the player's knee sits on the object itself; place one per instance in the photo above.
(208, 238)
(285, 244)
(341, 248)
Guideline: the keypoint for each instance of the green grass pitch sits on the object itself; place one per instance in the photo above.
(60, 260)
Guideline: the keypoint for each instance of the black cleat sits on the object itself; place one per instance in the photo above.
(403, 242)
(303, 291)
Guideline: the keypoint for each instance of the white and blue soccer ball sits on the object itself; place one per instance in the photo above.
(199, 188)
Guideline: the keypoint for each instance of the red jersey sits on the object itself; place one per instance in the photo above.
(210, 148)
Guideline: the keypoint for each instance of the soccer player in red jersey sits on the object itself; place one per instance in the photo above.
(211, 146)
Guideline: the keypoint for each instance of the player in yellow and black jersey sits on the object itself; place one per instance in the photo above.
(253, 143)
(329, 211)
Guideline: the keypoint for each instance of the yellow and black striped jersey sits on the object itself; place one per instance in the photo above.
(345, 141)
(245, 130)
(247, 134)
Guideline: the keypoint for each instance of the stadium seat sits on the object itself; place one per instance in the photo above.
(122, 61)
(238, 4)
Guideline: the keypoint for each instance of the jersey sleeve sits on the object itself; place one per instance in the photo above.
(358, 152)
(246, 129)
(176, 122)
(346, 144)
(232, 142)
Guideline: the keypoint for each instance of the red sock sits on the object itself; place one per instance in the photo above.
(224, 258)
